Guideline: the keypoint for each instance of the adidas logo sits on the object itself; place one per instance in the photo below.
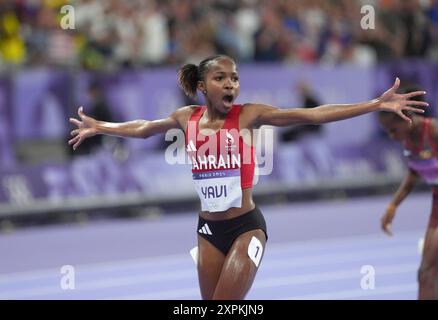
(205, 230)
(191, 146)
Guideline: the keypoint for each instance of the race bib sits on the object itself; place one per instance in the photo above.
(218, 190)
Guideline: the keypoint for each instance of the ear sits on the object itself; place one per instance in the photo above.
(201, 87)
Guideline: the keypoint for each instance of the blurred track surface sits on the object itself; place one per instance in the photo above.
(317, 250)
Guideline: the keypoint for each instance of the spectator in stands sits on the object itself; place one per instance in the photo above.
(100, 110)
(308, 100)
(136, 33)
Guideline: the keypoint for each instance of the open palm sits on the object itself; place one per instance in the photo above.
(397, 103)
(86, 127)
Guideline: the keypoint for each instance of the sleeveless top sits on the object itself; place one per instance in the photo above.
(424, 159)
(222, 163)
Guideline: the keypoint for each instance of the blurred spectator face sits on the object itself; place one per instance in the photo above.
(222, 84)
(303, 88)
(93, 92)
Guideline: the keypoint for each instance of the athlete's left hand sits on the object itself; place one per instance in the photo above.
(394, 102)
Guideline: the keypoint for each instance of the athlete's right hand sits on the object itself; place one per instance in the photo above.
(386, 220)
(86, 128)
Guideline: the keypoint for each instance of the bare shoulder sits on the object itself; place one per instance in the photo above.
(256, 108)
(187, 110)
(250, 113)
(251, 107)
(182, 115)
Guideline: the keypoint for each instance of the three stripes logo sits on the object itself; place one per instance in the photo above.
(191, 146)
(205, 230)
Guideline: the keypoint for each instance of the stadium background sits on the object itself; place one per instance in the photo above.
(120, 63)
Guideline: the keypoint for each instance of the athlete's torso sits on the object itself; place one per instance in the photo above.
(222, 164)
(424, 158)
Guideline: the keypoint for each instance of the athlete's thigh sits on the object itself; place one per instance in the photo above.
(210, 262)
(239, 269)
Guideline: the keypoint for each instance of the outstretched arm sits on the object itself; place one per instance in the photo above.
(402, 192)
(388, 101)
(88, 127)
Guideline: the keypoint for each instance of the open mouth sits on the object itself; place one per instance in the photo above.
(228, 98)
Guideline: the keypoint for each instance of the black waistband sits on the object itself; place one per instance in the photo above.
(242, 216)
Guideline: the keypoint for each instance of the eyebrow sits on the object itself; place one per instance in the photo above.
(223, 72)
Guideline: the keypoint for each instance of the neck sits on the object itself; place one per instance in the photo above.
(213, 114)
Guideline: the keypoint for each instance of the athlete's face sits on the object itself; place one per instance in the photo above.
(397, 130)
(222, 85)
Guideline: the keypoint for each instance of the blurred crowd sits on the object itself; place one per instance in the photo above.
(136, 33)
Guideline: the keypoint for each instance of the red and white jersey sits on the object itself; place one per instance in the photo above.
(222, 163)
